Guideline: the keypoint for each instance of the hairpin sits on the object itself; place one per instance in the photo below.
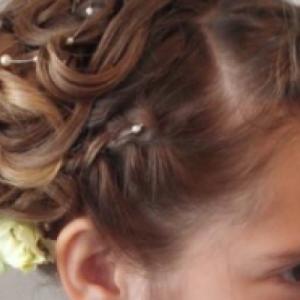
(137, 128)
(6, 60)
(134, 129)
(89, 11)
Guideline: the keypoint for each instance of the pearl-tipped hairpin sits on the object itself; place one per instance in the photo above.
(89, 11)
(6, 60)
(121, 138)
(134, 129)
(137, 128)
(70, 40)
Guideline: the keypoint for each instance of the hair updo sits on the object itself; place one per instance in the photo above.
(211, 82)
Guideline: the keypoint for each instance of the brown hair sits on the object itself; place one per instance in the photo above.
(212, 82)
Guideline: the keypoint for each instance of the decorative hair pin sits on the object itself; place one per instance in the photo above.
(134, 129)
(137, 128)
(89, 11)
(6, 60)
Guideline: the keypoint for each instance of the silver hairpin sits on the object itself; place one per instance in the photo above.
(6, 60)
(89, 11)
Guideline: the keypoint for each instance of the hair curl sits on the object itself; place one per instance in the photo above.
(212, 81)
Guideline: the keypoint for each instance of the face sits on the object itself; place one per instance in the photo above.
(259, 259)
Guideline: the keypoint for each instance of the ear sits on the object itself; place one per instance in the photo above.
(85, 264)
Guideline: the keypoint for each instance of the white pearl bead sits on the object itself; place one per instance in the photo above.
(89, 11)
(5, 60)
(70, 40)
(136, 128)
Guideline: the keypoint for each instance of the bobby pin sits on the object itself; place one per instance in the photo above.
(6, 60)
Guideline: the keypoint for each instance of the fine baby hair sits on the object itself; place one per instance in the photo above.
(145, 116)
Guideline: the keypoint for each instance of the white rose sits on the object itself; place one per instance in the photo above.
(19, 246)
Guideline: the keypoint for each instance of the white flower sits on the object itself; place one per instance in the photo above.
(20, 246)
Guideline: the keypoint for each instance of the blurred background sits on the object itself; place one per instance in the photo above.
(33, 286)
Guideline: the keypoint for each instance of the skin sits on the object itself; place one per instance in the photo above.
(247, 260)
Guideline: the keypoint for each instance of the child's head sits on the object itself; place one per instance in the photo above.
(157, 142)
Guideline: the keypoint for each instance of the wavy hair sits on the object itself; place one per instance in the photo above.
(215, 83)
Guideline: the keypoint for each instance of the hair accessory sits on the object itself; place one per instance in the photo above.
(89, 11)
(6, 60)
(134, 129)
(22, 246)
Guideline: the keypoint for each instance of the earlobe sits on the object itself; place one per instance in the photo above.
(83, 262)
